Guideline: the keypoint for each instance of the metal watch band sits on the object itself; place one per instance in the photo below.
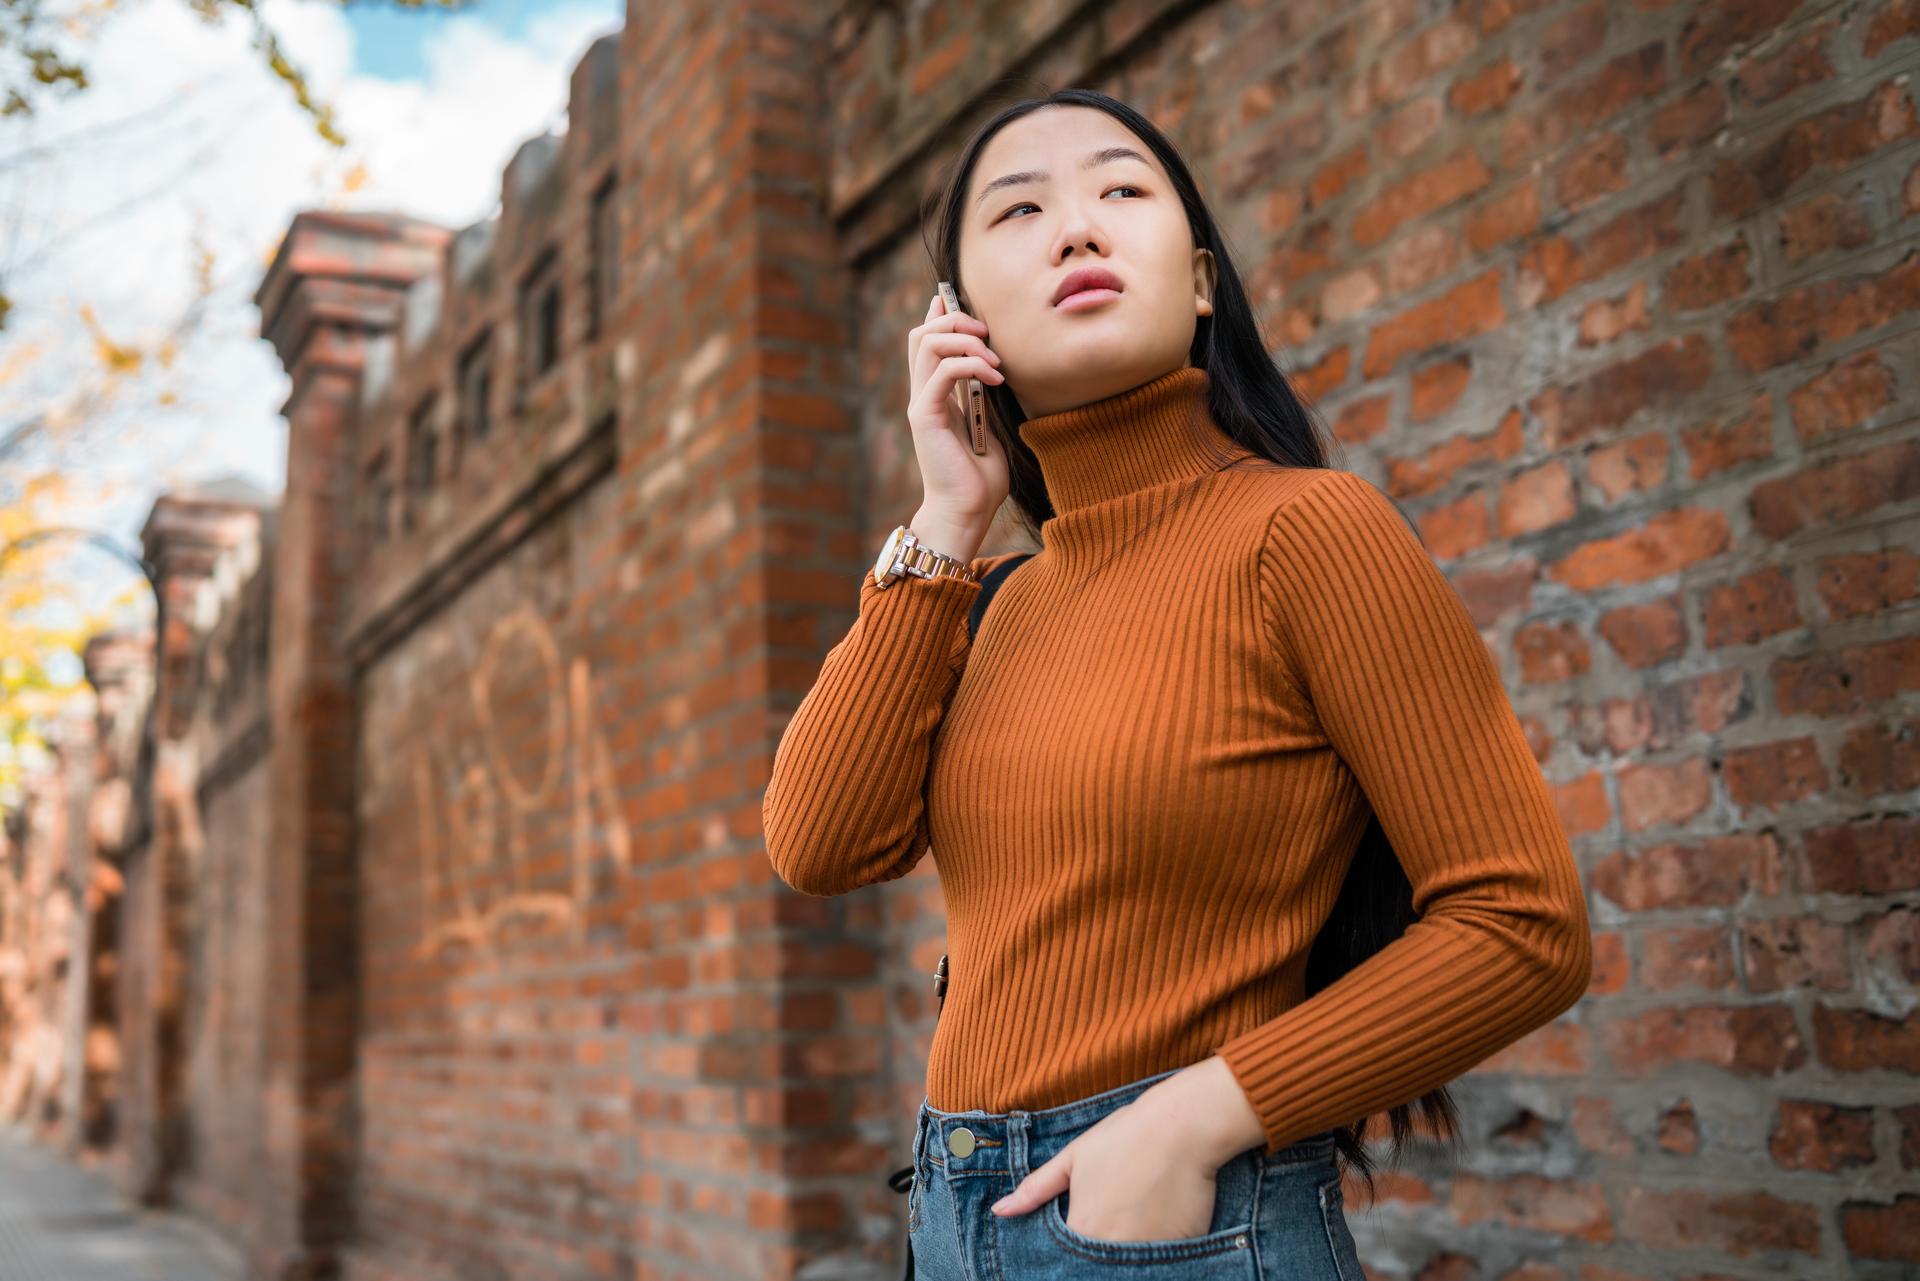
(932, 564)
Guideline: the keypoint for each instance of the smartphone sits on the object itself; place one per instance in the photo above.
(975, 395)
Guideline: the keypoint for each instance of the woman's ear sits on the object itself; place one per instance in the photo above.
(1203, 282)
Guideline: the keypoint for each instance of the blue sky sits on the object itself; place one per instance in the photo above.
(389, 41)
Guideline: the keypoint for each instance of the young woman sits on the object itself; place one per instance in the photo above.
(1240, 838)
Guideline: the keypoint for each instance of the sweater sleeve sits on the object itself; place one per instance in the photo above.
(846, 804)
(1409, 697)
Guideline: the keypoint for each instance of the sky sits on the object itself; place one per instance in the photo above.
(184, 160)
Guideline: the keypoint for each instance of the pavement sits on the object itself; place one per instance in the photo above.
(59, 1222)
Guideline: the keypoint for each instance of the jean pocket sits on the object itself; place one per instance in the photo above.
(1340, 1243)
(1225, 1252)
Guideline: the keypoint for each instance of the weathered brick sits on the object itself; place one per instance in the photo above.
(1747, 1040)
(1719, 871)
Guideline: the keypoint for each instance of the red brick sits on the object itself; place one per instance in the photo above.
(1741, 1224)
(1646, 634)
(1854, 1040)
(1666, 543)
(1611, 397)
(1719, 28)
(1866, 583)
(1749, 609)
(1362, 420)
(1459, 175)
(1708, 278)
(1720, 446)
(1596, 1124)
(1890, 948)
(1876, 1230)
(1688, 120)
(1842, 397)
(1485, 90)
(1638, 464)
(1612, 968)
(1790, 952)
(1836, 137)
(1468, 309)
(1437, 387)
(1834, 221)
(1678, 1130)
(1747, 1040)
(1877, 759)
(1801, 64)
(1893, 21)
(1717, 872)
(1838, 490)
(1656, 795)
(1607, 319)
(1456, 528)
(1421, 256)
(1536, 499)
(1411, 477)
(1551, 652)
(1872, 856)
(1508, 218)
(1594, 170)
(1531, 1203)
(1571, 39)
(1823, 1137)
(1799, 323)
(1686, 956)
(1847, 681)
(1663, 714)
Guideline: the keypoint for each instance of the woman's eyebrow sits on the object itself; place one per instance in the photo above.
(1106, 155)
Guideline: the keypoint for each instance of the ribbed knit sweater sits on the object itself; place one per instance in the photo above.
(1143, 782)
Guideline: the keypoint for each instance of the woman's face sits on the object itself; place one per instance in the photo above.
(1019, 241)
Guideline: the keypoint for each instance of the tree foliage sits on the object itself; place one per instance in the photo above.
(46, 444)
(40, 58)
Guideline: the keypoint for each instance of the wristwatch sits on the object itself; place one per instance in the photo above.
(903, 553)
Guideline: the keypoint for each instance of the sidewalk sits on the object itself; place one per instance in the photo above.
(61, 1223)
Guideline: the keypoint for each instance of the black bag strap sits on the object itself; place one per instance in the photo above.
(989, 583)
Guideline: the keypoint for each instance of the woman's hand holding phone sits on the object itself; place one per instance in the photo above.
(960, 490)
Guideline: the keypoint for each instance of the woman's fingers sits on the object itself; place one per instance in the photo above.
(1047, 1181)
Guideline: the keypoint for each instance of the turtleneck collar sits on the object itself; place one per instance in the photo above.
(1158, 432)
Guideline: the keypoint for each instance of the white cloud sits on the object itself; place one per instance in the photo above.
(186, 137)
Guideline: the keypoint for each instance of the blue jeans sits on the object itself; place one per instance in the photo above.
(1274, 1216)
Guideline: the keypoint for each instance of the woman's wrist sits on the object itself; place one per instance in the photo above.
(1206, 1101)
(948, 535)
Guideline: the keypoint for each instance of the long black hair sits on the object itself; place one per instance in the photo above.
(1255, 404)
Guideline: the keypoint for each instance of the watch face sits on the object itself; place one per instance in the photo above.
(887, 553)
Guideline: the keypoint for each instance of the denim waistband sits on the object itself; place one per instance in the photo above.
(995, 1134)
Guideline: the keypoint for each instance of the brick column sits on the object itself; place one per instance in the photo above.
(182, 538)
(336, 284)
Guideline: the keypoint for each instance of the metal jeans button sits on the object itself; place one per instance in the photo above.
(960, 1142)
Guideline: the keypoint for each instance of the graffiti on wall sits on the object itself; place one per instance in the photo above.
(478, 819)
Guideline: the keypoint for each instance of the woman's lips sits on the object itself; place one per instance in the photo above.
(1086, 299)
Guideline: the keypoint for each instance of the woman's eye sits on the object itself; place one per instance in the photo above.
(1030, 205)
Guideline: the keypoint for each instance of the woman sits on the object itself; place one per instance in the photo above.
(1228, 742)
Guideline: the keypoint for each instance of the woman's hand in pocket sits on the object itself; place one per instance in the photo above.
(1132, 1179)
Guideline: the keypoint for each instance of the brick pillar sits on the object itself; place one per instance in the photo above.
(336, 284)
(119, 666)
(751, 541)
(183, 537)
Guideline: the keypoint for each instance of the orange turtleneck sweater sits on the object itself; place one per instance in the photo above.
(1143, 782)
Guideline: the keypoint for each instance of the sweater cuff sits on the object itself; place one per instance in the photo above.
(919, 620)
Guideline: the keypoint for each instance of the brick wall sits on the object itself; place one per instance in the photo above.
(1617, 301)
(483, 955)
